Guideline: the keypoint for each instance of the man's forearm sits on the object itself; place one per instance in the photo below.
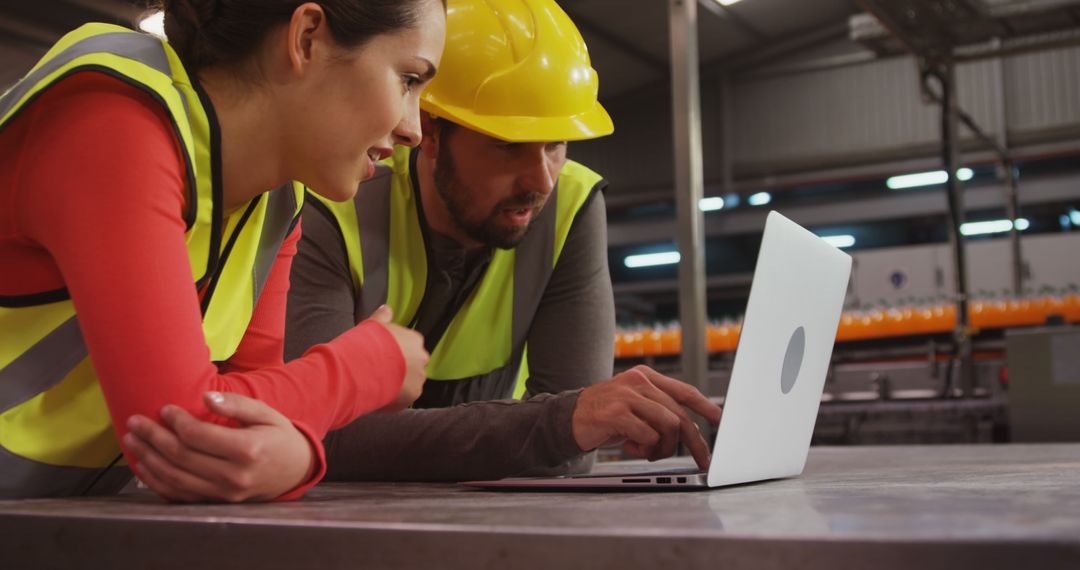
(479, 440)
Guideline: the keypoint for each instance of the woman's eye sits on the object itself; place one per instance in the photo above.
(410, 82)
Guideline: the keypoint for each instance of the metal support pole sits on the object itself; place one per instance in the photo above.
(689, 188)
(1000, 145)
(1008, 173)
(946, 74)
(1013, 210)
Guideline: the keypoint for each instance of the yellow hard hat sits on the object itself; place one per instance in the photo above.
(517, 70)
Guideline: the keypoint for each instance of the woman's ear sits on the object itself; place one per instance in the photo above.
(308, 38)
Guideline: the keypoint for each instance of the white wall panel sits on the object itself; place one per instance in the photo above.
(928, 270)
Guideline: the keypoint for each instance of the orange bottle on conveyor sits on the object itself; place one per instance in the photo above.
(671, 339)
(1071, 303)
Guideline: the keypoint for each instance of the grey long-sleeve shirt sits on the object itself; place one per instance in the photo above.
(570, 347)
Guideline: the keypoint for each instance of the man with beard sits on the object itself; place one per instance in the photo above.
(492, 244)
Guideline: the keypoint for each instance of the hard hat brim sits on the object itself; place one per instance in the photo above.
(591, 124)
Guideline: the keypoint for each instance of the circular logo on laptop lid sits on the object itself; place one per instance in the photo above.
(793, 360)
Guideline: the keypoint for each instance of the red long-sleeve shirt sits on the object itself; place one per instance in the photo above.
(92, 195)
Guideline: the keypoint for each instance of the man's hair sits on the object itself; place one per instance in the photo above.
(446, 127)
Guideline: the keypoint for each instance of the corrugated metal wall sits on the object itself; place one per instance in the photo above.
(876, 109)
(861, 113)
(1043, 92)
(835, 111)
(638, 155)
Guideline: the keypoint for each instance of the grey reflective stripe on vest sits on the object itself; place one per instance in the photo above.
(280, 212)
(533, 266)
(42, 366)
(532, 270)
(132, 45)
(374, 221)
(22, 478)
(38, 369)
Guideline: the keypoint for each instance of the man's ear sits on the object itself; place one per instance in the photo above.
(429, 128)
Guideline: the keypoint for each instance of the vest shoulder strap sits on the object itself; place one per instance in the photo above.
(282, 213)
(374, 221)
(538, 254)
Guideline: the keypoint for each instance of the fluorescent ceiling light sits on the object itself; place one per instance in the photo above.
(992, 227)
(759, 199)
(651, 259)
(840, 241)
(154, 24)
(726, 2)
(711, 204)
(926, 179)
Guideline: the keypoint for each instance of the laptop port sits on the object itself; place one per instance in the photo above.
(635, 480)
(680, 479)
(663, 480)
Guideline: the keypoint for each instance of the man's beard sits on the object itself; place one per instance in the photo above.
(487, 231)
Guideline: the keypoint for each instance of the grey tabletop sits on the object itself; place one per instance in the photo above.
(1002, 506)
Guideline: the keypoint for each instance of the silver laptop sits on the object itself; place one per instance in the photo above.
(777, 378)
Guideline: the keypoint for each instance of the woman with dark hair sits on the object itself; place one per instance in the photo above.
(132, 169)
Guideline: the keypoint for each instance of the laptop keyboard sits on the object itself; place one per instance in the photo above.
(641, 472)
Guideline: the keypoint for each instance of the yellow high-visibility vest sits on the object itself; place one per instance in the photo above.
(56, 436)
(486, 339)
